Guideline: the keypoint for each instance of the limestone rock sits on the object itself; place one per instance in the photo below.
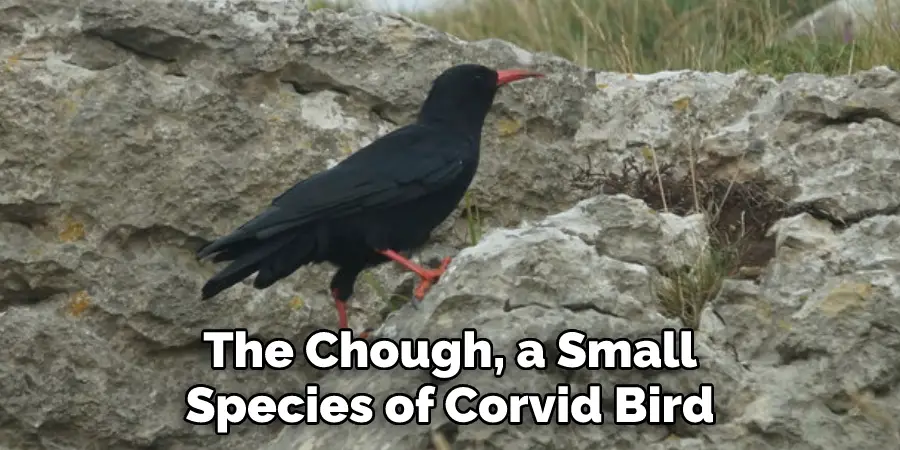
(535, 282)
(820, 334)
(133, 131)
(846, 19)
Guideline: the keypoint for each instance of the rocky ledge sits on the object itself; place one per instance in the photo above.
(133, 131)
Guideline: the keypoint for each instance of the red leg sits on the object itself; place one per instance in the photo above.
(341, 306)
(428, 276)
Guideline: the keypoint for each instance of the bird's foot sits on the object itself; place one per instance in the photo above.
(366, 334)
(428, 278)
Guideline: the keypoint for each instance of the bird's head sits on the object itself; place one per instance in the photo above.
(464, 93)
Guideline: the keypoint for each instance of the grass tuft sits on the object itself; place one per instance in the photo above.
(653, 35)
(738, 214)
(648, 36)
(474, 222)
(337, 5)
(685, 293)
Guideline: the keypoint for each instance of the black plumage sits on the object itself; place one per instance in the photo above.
(385, 198)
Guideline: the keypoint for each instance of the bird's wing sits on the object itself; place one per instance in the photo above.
(397, 168)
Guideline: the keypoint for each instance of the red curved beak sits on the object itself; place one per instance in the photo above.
(508, 76)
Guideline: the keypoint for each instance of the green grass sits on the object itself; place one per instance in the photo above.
(474, 222)
(644, 36)
(337, 5)
(685, 293)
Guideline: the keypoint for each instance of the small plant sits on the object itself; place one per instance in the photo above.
(684, 293)
(474, 223)
(738, 216)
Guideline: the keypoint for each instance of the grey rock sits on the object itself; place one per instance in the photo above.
(534, 282)
(847, 19)
(131, 132)
(824, 325)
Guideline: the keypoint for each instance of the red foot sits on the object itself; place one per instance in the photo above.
(341, 307)
(430, 277)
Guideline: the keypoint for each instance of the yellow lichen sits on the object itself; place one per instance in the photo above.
(847, 295)
(296, 302)
(69, 107)
(508, 127)
(784, 325)
(79, 303)
(12, 61)
(681, 104)
(602, 85)
(72, 231)
(648, 153)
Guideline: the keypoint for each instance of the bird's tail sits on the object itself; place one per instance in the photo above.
(274, 258)
(298, 252)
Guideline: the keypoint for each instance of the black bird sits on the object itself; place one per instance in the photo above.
(383, 199)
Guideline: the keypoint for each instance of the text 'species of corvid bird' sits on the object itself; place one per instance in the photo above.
(385, 198)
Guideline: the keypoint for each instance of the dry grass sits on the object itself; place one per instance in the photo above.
(652, 35)
(738, 216)
(684, 294)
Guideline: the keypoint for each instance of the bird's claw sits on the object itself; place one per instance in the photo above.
(428, 279)
(366, 334)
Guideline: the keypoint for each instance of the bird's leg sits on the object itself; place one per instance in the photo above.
(428, 276)
(341, 306)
